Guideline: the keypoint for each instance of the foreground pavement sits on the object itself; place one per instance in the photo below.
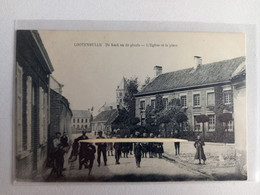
(152, 169)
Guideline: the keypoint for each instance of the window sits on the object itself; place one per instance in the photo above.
(86, 126)
(210, 98)
(120, 94)
(142, 105)
(82, 120)
(120, 100)
(78, 120)
(73, 126)
(41, 115)
(45, 111)
(227, 97)
(211, 123)
(86, 120)
(74, 120)
(77, 126)
(230, 126)
(184, 101)
(19, 108)
(153, 103)
(29, 99)
(197, 126)
(196, 100)
(165, 103)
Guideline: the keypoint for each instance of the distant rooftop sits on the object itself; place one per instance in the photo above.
(106, 116)
(81, 113)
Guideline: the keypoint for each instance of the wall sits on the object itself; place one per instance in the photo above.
(240, 115)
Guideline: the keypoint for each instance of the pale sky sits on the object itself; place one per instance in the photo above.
(90, 74)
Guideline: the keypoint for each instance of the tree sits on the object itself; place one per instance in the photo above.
(129, 99)
(158, 103)
(202, 119)
(174, 116)
(225, 118)
(126, 116)
(146, 82)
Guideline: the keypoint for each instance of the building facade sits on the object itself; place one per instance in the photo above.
(81, 121)
(202, 90)
(32, 96)
(102, 122)
(240, 113)
(61, 114)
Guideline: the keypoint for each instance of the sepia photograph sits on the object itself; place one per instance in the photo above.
(129, 106)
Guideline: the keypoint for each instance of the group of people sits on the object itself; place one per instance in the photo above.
(60, 146)
(86, 151)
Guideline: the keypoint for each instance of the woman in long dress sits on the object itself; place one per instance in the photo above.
(199, 150)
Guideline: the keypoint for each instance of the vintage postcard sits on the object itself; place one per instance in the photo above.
(129, 106)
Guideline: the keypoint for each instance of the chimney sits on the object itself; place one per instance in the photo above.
(157, 70)
(197, 61)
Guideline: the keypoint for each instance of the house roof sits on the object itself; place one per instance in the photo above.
(81, 113)
(108, 106)
(106, 116)
(212, 73)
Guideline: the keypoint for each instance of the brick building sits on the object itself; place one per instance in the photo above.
(61, 115)
(202, 89)
(32, 96)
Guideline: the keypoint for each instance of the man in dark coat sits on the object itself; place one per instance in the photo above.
(90, 156)
(118, 149)
(199, 150)
(138, 154)
(102, 148)
(177, 144)
(82, 149)
(159, 148)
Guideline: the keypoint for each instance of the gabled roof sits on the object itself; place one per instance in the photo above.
(208, 74)
(81, 113)
(106, 116)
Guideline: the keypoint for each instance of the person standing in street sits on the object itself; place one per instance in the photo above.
(109, 147)
(118, 148)
(58, 154)
(159, 148)
(82, 149)
(125, 148)
(90, 156)
(199, 150)
(102, 148)
(177, 144)
(138, 154)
